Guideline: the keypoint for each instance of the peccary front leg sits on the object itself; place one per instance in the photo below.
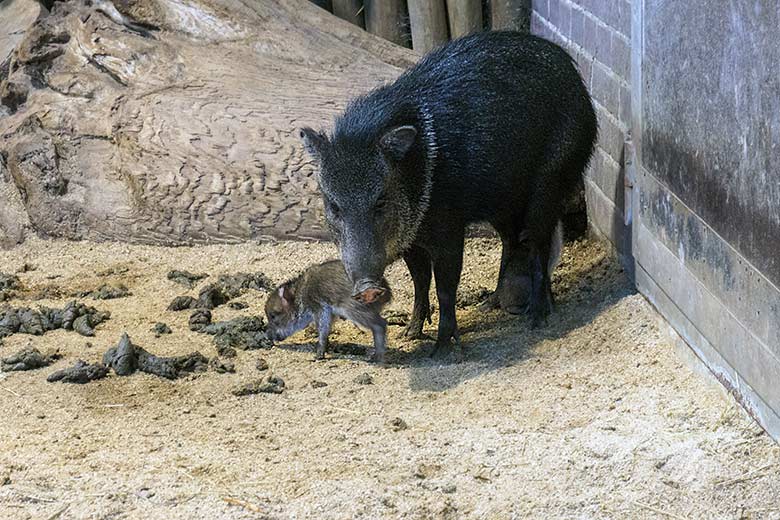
(447, 267)
(324, 322)
(515, 286)
(419, 263)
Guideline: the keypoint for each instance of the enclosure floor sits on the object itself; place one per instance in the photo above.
(592, 416)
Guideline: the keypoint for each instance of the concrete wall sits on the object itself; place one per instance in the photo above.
(598, 35)
(697, 183)
(707, 190)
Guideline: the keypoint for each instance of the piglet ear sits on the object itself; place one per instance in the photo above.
(313, 141)
(397, 142)
(287, 296)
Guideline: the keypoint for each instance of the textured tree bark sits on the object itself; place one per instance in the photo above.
(183, 137)
(465, 17)
(15, 17)
(428, 20)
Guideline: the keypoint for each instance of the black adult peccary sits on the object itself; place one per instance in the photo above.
(495, 127)
(320, 294)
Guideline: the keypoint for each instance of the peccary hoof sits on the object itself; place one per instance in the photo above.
(490, 304)
(376, 357)
(442, 349)
(516, 309)
(539, 317)
(414, 331)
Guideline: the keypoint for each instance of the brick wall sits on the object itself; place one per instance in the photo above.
(597, 33)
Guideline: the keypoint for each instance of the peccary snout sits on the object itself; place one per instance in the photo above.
(362, 250)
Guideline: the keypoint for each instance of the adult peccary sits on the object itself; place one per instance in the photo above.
(495, 127)
(320, 294)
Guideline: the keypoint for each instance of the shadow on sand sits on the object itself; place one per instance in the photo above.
(493, 340)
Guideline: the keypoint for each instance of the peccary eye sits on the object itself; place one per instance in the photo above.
(381, 206)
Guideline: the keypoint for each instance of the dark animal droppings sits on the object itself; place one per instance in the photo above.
(222, 366)
(199, 319)
(126, 358)
(185, 278)
(228, 352)
(398, 424)
(8, 284)
(364, 379)
(108, 292)
(269, 385)
(113, 271)
(161, 328)
(29, 358)
(226, 288)
(80, 373)
(211, 297)
(244, 333)
(181, 303)
(74, 316)
(234, 285)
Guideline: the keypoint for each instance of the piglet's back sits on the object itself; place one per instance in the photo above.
(328, 284)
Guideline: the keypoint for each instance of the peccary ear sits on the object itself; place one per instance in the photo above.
(397, 142)
(312, 141)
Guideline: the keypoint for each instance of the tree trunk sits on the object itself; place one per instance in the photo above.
(385, 18)
(511, 14)
(184, 136)
(465, 17)
(350, 10)
(428, 20)
(15, 17)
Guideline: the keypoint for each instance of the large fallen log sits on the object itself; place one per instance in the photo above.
(182, 135)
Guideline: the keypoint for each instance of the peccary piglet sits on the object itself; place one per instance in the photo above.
(494, 127)
(320, 294)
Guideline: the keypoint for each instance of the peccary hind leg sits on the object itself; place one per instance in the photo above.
(513, 286)
(419, 263)
(541, 303)
(492, 301)
(540, 237)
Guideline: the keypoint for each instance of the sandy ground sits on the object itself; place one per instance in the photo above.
(593, 416)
